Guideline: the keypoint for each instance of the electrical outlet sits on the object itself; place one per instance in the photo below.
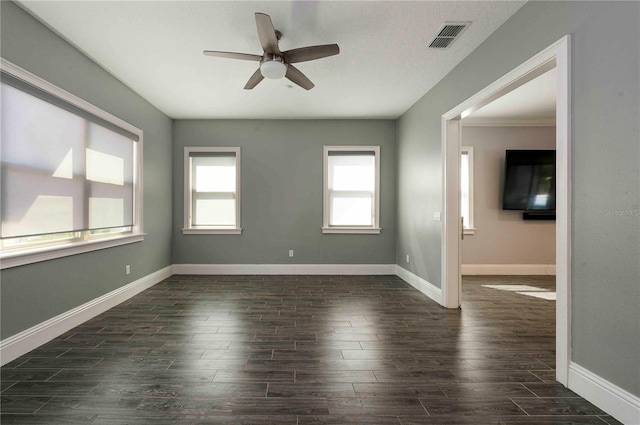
(407, 258)
(291, 253)
(127, 269)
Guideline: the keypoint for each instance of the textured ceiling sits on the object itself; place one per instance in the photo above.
(155, 47)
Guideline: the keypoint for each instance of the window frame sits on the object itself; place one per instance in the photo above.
(188, 228)
(330, 229)
(82, 241)
(470, 229)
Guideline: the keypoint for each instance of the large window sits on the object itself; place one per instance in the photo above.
(70, 173)
(466, 189)
(212, 190)
(351, 189)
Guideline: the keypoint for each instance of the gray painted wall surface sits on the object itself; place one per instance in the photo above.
(282, 192)
(502, 237)
(34, 293)
(605, 293)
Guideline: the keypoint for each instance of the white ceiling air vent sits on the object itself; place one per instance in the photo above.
(449, 32)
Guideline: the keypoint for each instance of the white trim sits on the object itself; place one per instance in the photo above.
(286, 269)
(53, 251)
(420, 284)
(138, 178)
(211, 231)
(352, 230)
(509, 269)
(326, 227)
(617, 402)
(563, 209)
(17, 345)
(451, 224)
(557, 55)
(509, 122)
(23, 257)
(188, 229)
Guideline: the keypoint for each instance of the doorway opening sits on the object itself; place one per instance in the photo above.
(556, 56)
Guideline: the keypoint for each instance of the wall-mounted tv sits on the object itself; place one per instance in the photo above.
(530, 183)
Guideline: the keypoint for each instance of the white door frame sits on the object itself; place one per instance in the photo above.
(557, 55)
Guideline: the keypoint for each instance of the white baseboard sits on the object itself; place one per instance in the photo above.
(427, 288)
(308, 269)
(617, 402)
(509, 269)
(417, 282)
(17, 345)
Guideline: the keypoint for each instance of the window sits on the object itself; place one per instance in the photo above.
(466, 189)
(70, 173)
(212, 190)
(351, 189)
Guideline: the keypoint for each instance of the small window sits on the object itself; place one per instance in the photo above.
(70, 173)
(351, 189)
(466, 189)
(212, 190)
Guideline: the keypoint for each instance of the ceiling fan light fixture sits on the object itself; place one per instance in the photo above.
(273, 69)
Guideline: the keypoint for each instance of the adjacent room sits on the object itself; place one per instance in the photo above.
(508, 195)
(313, 212)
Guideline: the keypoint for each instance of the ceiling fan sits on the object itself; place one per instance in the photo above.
(274, 63)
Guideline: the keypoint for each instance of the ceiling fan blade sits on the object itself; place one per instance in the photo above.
(254, 80)
(298, 77)
(233, 55)
(267, 34)
(310, 53)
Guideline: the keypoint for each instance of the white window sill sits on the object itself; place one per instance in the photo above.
(34, 255)
(470, 231)
(211, 231)
(353, 230)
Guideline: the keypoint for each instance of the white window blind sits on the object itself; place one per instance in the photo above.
(352, 179)
(351, 186)
(63, 170)
(213, 188)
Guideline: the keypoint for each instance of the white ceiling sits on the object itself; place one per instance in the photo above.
(535, 100)
(384, 67)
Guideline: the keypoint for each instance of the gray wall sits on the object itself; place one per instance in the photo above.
(34, 293)
(605, 201)
(282, 192)
(503, 237)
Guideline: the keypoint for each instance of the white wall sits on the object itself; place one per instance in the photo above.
(503, 237)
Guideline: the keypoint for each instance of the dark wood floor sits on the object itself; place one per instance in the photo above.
(302, 350)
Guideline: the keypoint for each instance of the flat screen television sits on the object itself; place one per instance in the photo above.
(530, 182)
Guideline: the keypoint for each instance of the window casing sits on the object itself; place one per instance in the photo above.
(71, 173)
(351, 189)
(466, 189)
(212, 190)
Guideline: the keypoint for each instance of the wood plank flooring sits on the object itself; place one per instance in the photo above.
(303, 350)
